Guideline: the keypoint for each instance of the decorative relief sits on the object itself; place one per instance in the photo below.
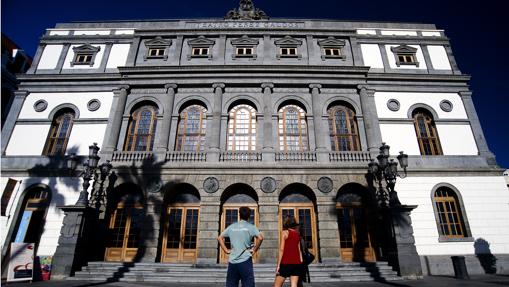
(268, 184)
(446, 106)
(154, 185)
(93, 105)
(246, 11)
(40, 105)
(211, 184)
(393, 105)
(325, 184)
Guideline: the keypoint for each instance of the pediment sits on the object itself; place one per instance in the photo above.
(331, 42)
(201, 41)
(288, 41)
(245, 40)
(86, 48)
(404, 49)
(158, 41)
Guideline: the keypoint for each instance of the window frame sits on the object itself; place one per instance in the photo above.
(130, 146)
(202, 134)
(405, 51)
(332, 43)
(244, 42)
(283, 135)
(353, 137)
(288, 42)
(200, 43)
(56, 126)
(430, 126)
(233, 126)
(158, 43)
(85, 50)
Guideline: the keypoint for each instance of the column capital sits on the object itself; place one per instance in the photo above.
(218, 85)
(465, 94)
(122, 88)
(366, 89)
(169, 87)
(315, 86)
(269, 86)
(21, 93)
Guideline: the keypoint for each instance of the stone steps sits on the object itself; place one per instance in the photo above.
(215, 273)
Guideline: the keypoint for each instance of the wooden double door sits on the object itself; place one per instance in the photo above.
(124, 230)
(229, 215)
(354, 234)
(305, 214)
(180, 234)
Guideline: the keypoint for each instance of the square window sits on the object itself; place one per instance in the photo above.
(156, 52)
(83, 58)
(200, 52)
(288, 52)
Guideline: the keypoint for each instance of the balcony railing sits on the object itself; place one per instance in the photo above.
(296, 156)
(176, 156)
(350, 156)
(130, 156)
(240, 156)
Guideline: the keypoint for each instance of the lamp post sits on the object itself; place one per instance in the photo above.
(386, 169)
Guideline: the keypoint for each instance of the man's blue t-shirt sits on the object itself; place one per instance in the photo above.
(240, 234)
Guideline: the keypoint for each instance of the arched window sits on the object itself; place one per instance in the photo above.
(427, 135)
(142, 129)
(344, 134)
(293, 130)
(242, 128)
(59, 133)
(33, 213)
(450, 219)
(191, 129)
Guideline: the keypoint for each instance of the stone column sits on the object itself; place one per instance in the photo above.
(373, 134)
(320, 128)
(165, 126)
(267, 135)
(269, 226)
(12, 117)
(117, 110)
(150, 229)
(475, 124)
(208, 246)
(215, 136)
(328, 230)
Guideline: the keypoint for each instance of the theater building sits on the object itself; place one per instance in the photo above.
(200, 117)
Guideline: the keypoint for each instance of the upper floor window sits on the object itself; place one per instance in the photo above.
(427, 136)
(56, 143)
(156, 52)
(288, 47)
(287, 52)
(242, 128)
(191, 129)
(344, 134)
(405, 55)
(332, 52)
(157, 48)
(85, 55)
(293, 134)
(201, 47)
(200, 52)
(450, 218)
(244, 51)
(142, 129)
(332, 48)
(244, 47)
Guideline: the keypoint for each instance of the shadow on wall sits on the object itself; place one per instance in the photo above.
(482, 251)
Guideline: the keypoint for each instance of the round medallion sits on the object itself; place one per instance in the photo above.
(40, 105)
(93, 105)
(268, 184)
(325, 184)
(154, 185)
(393, 105)
(446, 106)
(211, 184)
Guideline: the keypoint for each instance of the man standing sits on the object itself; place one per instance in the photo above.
(240, 263)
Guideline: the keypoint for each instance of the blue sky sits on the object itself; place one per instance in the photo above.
(477, 30)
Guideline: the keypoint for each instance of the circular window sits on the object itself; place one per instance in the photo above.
(393, 105)
(446, 106)
(40, 105)
(93, 105)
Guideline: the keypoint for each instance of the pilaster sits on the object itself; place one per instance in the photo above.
(12, 117)
(328, 231)
(268, 140)
(427, 58)
(133, 51)
(165, 126)
(319, 124)
(209, 230)
(269, 226)
(385, 59)
(61, 59)
(37, 59)
(106, 56)
(150, 229)
(215, 136)
(117, 110)
(372, 124)
(356, 52)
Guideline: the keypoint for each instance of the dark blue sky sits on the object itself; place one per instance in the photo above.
(477, 29)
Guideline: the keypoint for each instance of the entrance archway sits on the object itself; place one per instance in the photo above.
(233, 198)
(353, 224)
(126, 218)
(298, 200)
(181, 221)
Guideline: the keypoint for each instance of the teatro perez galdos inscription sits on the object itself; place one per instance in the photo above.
(245, 25)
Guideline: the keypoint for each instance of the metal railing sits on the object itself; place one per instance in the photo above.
(240, 156)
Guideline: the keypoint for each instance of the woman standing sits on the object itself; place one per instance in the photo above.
(289, 263)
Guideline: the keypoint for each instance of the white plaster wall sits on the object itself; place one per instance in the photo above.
(439, 58)
(58, 32)
(431, 33)
(406, 100)
(366, 32)
(371, 56)
(64, 191)
(400, 137)
(83, 135)
(124, 32)
(80, 100)
(118, 55)
(49, 57)
(27, 139)
(70, 57)
(457, 139)
(392, 59)
(486, 203)
(399, 32)
(91, 32)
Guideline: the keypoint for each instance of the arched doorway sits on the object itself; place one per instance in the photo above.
(126, 218)
(181, 221)
(298, 200)
(353, 224)
(233, 198)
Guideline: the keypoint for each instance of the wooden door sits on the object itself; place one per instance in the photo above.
(305, 215)
(354, 237)
(124, 228)
(180, 238)
(231, 215)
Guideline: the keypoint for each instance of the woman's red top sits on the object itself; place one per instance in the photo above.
(291, 253)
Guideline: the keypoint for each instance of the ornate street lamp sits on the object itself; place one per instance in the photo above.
(387, 169)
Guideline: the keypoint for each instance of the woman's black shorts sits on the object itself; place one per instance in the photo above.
(287, 270)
